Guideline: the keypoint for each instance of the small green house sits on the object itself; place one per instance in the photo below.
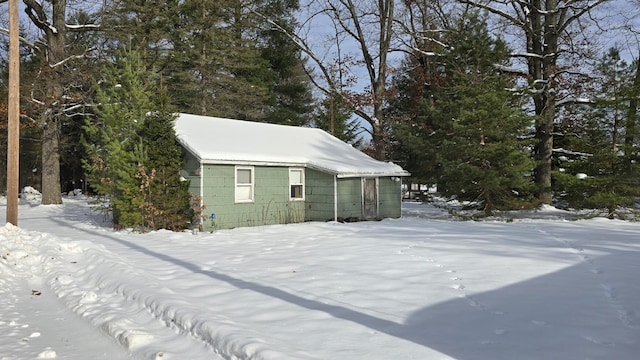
(249, 173)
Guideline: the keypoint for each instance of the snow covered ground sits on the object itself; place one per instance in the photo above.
(421, 287)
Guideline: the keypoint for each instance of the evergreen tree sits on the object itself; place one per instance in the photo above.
(113, 142)
(290, 96)
(217, 69)
(466, 127)
(144, 25)
(344, 127)
(599, 167)
(217, 57)
(166, 195)
(134, 157)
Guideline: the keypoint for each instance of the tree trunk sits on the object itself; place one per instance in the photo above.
(378, 142)
(543, 155)
(56, 52)
(543, 41)
(51, 193)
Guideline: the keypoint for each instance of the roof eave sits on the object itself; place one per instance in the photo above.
(374, 174)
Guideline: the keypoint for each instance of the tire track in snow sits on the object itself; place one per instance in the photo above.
(144, 309)
(147, 304)
(88, 282)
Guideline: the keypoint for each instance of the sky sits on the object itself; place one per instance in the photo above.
(546, 284)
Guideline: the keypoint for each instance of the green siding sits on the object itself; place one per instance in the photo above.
(350, 198)
(271, 199)
(389, 198)
(319, 195)
(271, 196)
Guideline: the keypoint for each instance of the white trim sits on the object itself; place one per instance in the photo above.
(302, 165)
(335, 198)
(372, 174)
(251, 186)
(302, 183)
(201, 192)
(252, 163)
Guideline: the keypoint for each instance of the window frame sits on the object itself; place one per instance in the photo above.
(251, 185)
(301, 184)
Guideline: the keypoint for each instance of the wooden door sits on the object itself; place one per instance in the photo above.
(370, 198)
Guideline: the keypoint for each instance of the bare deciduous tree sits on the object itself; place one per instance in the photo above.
(53, 99)
(360, 40)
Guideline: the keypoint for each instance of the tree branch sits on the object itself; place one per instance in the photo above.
(22, 40)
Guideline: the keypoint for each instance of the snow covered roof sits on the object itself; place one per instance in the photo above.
(226, 141)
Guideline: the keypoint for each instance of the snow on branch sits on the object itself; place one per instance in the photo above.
(527, 55)
(425, 53)
(510, 70)
(569, 152)
(36, 13)
(574, 100)
(494, 10)
(82, 27)
(72, 57)
(22, 39)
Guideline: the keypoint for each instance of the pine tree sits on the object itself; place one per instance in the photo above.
(290, 96)
(467, 128)
(134, 157)
(216, 67)
(344, 126)
(166, 195)
(113, 142)
(217, 57)
(599, 169)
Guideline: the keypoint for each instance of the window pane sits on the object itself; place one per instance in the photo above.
(243, 193)
(295, 176)
(244, 176)
(296, 191)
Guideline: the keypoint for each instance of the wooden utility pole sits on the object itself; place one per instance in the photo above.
(13, 143)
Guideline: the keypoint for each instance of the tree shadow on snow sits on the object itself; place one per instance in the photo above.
(540, 318)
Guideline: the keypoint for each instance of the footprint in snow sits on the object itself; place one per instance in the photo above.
(47, 354)
(474, 303)
(629, 319)
(598, 341)
(608, 291)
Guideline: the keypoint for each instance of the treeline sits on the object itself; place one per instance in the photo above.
(100, 83)
(471, 123)
(505, 107)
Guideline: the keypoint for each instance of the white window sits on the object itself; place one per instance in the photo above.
(244, 184)
(296, 184)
